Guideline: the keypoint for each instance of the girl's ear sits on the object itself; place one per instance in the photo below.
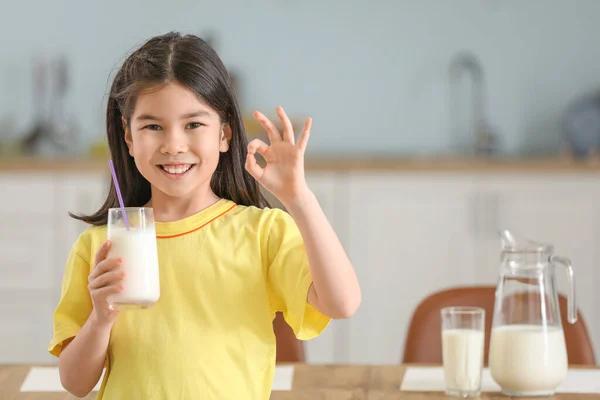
(128, 138)
(226, 134)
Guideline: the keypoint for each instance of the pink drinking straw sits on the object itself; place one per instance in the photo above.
(116, 182)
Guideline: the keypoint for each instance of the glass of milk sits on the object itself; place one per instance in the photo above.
(136, 244)
(463, 337)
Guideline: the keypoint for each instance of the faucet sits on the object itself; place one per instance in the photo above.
(484, 141)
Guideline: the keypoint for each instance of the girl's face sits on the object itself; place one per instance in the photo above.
(176, 140)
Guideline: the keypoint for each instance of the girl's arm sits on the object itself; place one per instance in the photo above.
(81, 362)
(335, 290)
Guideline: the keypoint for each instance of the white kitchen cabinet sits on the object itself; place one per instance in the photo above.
(560, 210)
(28, 246)
(26, 320)
(408, 236)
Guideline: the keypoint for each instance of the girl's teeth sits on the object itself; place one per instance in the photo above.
(177, 170)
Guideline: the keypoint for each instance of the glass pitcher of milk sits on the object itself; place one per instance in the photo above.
(528, 354)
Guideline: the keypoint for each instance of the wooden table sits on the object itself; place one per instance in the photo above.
(311, 382)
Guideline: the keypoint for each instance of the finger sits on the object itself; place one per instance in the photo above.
(107, 279)
(253, 168)
(103, 293)
(255, 146)
(288, 130)
(102, 252)
(103, 266)
(303, 141)
(272, 131)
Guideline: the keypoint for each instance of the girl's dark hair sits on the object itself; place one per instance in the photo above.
(191, 62)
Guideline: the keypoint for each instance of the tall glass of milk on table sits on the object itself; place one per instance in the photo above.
(528, 354)
(133, 237)
(463, 337)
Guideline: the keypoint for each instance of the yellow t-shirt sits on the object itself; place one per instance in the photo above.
(224, 272)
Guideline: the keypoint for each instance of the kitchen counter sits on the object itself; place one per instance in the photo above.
(340, 164)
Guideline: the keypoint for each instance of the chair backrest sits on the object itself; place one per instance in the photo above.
(289, 349)
(423, 340)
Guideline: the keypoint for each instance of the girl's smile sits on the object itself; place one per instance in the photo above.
(176, 171)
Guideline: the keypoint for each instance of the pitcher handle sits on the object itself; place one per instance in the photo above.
(572, 308)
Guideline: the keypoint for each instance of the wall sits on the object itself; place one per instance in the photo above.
(374, 75)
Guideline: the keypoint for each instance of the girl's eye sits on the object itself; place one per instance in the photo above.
(153, 127)
(194, 125)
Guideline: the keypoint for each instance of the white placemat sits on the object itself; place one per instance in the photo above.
(431, 379)
(47, 379)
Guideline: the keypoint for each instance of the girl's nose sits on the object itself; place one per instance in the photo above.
(174, 142)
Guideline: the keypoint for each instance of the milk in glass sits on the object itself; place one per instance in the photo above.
(138, 248)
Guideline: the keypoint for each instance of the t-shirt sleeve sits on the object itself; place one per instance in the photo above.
(289, 278)
(75, 304)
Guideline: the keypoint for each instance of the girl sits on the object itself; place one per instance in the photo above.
(227, 261)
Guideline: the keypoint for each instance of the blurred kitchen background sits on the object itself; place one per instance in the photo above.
(435, 123)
